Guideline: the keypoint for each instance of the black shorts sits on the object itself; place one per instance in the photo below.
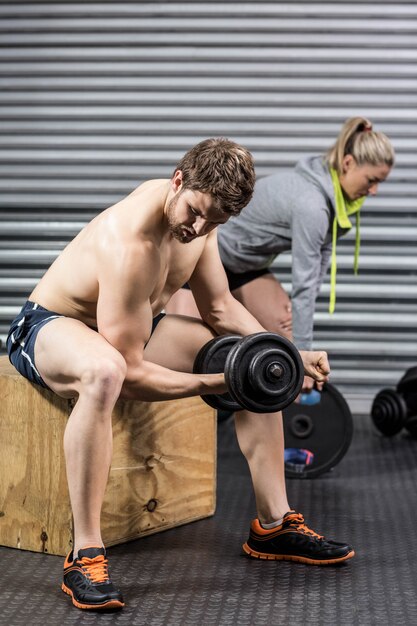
(22, 337)
(156, 320)
(238, 280)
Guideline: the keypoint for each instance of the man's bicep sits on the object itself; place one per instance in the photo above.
(124, 314)
(125, 329)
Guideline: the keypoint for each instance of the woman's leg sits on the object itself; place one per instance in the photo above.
(267, 300)
(264, 297)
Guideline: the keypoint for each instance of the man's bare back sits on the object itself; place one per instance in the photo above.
(71, 286)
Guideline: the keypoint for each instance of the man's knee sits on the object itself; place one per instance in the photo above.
(104, 375)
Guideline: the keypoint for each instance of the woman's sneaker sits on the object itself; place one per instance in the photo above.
(86, 580)
(294, 541)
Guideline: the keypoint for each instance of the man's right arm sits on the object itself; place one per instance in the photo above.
(124, 318)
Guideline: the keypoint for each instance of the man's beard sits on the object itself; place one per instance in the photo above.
(177, 230)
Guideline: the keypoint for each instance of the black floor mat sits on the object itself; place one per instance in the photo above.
(197, 575)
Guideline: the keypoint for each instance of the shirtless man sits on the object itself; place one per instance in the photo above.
(90, 330)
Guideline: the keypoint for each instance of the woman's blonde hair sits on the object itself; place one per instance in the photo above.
(367, 146)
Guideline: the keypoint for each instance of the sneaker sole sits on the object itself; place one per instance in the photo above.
(111, 604)
(298, 559)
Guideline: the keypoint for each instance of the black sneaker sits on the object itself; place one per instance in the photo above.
(294, 541)
(86, 580)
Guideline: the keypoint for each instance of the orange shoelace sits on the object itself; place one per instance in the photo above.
(298, 520)
(96, 569)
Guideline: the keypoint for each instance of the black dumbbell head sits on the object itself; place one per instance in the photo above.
(211, 359)
(264, 372)
(389, 412)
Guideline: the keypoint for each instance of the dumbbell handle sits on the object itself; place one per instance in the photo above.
(275, 370)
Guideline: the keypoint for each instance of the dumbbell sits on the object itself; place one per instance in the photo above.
(393, 409)
(263, 372)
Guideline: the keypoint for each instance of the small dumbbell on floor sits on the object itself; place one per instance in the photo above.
(394, 409)
(264, 372)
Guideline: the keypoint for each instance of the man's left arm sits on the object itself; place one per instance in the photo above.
(225, 315)
(210, 288)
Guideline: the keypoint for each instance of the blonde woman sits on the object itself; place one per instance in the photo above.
(305, 211)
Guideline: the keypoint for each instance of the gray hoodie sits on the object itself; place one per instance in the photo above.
(288, 211)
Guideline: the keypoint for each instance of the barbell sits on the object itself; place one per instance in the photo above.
(263, 372)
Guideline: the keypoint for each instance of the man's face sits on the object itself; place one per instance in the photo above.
(193, 214)
(361, 180)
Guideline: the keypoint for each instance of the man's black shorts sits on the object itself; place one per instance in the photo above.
(22, 337)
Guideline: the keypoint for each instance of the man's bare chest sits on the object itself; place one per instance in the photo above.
(178, 264)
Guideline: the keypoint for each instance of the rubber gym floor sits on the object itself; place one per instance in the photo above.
(197, 574)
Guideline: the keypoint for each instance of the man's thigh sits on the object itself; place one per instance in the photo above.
(176, 342)
(63, 349)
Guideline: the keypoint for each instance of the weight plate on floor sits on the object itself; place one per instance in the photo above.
(325, 428)
(211, 359)
(264, 372)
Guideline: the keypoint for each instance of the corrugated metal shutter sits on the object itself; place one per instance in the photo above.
(99, 96)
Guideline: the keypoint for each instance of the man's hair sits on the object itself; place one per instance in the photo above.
(367, 146)
(222, 168)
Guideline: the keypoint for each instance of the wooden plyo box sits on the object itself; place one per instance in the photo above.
(163, 471)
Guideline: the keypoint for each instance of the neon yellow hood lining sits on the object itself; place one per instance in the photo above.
(343, 209)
